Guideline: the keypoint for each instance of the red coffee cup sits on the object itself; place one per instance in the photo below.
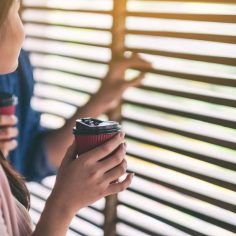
(90, 133)
(7, 103)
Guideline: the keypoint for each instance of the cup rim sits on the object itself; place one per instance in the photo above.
(96, 131)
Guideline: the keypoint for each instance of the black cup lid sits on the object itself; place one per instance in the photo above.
(95, 126)
(7, 99)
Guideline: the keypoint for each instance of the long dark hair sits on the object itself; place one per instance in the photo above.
(16, 182)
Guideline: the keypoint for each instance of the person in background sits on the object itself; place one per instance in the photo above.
(36, 152)
(81, 180)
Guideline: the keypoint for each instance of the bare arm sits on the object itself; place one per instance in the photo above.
(106, 99)
(57, 141)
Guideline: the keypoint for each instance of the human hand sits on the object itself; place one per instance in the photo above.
(8, 133)
(88, 178)
(114, 84)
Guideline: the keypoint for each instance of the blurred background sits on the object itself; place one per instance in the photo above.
(180, 123)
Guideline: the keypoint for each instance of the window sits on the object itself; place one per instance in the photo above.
(180, 123)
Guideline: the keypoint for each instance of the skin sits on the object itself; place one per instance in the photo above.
(106, 99)
(9, 47)
(96, 174)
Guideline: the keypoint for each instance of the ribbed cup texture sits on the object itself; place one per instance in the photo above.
(85, 143)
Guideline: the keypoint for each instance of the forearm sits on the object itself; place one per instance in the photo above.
(54, 220)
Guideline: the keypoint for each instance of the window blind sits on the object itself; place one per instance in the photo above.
(180, 123)
(70, 50)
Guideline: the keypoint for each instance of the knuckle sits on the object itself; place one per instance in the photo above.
(122, 169)
(10, 120)
(16, 131)
(13, 120)
(122, 187)
(3, 132)
(4, 145)
(124, 166)
(94, 174)
(83, 161)
(100, 184)
(118, 137)
(119, 158)
(106, 148)
(100, 192)
(103, 187)
(7, 132)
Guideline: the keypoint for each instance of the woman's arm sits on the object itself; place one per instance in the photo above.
(54, 220)
(82, 181)
(106, 99)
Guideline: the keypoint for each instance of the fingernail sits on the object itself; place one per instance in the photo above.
(125, 144)
(15, 119)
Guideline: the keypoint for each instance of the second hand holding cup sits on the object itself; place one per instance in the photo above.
(8, 104)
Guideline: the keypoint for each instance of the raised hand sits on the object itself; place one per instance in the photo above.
(114, 84)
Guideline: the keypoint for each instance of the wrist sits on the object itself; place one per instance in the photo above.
(59, 207)
(93, 108)
(55, 219)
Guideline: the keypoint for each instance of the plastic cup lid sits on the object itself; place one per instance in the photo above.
(95, 126)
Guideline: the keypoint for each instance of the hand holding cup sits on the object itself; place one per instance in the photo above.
(87, 178)
(8, 120)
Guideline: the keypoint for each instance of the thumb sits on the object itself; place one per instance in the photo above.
(70, 154)
(136, 81)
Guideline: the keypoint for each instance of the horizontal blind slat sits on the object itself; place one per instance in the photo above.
(224, 81)
(195, 36)
(220, 99)
(192, 17)
(206, 58)
(182, 112)
(103, 12)
(39, 23)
